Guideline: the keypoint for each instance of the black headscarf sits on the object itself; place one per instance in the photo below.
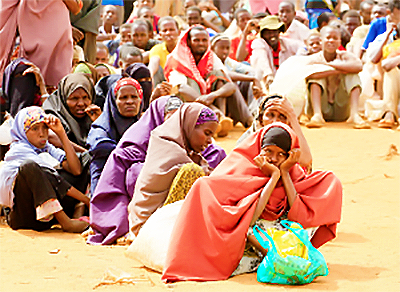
(139, 71)
(279, 137)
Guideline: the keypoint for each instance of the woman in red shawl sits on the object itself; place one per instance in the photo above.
(253, 182)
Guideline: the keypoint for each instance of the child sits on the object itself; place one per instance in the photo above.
(141, 38)
(29, 183)
(109, 17)
(313, 45)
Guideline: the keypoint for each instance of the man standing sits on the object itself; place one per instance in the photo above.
(294, 29)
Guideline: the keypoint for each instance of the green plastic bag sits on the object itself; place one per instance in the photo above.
(289, 269)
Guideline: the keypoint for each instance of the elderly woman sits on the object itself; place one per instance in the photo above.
(121, 110)
(72, 104)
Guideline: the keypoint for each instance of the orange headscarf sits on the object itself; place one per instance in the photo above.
(181, 59)
(210, 233)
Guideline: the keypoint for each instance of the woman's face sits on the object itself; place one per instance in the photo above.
(271, 116)
(78, 101)
(201, 136)
(38, 135)
(102, 71)
(128, 101)
(274, 155)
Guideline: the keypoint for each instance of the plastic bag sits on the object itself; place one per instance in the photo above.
(299, 265)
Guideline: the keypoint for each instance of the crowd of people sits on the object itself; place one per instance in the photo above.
(113, 107)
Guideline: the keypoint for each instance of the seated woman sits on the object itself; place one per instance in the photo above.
(21, 89)
(259, 179)
(29, 183)
(137, 71)
(121, 110)
(72, 104)
(108, 212)
(275, 108)
(173, 163)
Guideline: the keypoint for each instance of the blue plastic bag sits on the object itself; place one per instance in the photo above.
(289, 269)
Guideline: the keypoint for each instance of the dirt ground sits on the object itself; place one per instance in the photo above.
(365, 256)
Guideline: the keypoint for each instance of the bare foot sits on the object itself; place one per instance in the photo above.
(75, 226)
(317, 121)
(388, 121)
(358, 122)
(226, 125)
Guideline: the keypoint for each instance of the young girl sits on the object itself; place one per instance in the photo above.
(29, 183)
(259, 179)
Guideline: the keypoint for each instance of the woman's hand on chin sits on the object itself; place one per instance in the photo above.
(294, 156)
(267, 168)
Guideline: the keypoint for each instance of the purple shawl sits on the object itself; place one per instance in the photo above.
(114, 191)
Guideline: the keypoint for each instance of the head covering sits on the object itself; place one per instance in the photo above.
(159, 170)
(141, 73)
(263, 106)
(109, 68)
(87, 68)
(103, 86)
(271, 22)
(206, 115)
(19, 91)
(278, 137)
(128, 81)
(20, 150)
(181, 59)
(173, 103)
(219, 208)
(76, 129)
(33, 116)
(219, 37)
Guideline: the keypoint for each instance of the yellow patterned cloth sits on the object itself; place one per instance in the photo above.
(183, 181)
(391, 50)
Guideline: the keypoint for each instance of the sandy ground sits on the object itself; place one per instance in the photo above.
(365, 256)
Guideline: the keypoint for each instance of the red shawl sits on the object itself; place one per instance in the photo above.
(210, 233)
(181, 59)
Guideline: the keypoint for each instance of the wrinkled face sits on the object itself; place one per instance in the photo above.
(286, 13)
(201, 136)
(101, 56)
(222, 48)
(128, 101)
(169, 32)
(242, 19)
(102, 71)
(352, 23)
(110, 14)
(193, 17)
(126, 35)
(77, 102)
(271, 37)
(124, 64)
(272, 116)
(314, 44)
(378, 11)
(274, 155)
(331, 40)
(38, 134)
(366, 13)
(140, 36)
(198, 42)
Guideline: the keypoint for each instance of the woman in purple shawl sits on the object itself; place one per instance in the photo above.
(108, 129)
(109, 203)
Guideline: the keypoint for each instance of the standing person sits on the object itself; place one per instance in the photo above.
(30, 185)
(45, 33)
(87, 24)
